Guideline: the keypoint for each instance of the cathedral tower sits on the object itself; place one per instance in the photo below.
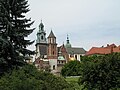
(41, 43)
(41, 34)
(52, 51)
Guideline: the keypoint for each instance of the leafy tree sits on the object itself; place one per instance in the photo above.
(72, 68)
(14, 28)
(29, 78)
(103, 73)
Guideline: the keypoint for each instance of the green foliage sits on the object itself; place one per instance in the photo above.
(72, 68)
(29, 78)
(14, 27)
(101, 72)
(73, 81)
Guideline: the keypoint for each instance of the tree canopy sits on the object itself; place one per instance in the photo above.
(29, 78)
(101, 72)
(72, 68)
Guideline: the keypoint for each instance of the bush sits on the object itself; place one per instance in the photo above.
(101, 73)
(72, 68)
(29, 78)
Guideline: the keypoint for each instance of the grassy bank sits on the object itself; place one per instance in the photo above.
(74, 82)
(72, 79)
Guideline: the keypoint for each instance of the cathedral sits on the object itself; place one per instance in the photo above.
(51, 58)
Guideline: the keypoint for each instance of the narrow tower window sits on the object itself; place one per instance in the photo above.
(42, 37)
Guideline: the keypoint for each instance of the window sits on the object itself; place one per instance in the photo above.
(76, 57)
(42, 37)
(53, 52)
(51, 40)
(53, 67)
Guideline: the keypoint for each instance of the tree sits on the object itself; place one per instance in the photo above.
(72, 68)
(103, 73)
(29, 78)
(14, 28)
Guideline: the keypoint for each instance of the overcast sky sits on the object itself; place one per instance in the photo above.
(87, 22)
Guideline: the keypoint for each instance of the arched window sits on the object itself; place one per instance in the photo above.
(76, 57)
(42, 37)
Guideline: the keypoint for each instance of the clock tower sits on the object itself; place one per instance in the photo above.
(41, 43)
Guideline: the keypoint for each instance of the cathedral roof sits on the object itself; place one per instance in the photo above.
(51, 35)
(73, 50)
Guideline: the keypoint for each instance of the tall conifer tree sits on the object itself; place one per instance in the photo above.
(14, 28)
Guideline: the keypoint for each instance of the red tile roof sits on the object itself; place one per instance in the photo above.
(103, 50)
(117, 49)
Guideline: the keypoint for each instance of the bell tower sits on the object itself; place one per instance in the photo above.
(52, 50)
(41, 42)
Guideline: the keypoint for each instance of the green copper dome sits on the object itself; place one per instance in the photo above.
(61, 58)
(68, 45)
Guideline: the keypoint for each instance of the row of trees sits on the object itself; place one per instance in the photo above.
(96, 72)
(29, 78)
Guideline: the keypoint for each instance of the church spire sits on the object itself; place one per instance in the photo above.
(51, 35)
(41, 26)
(68, 45)
(51, 38)
(68, 39)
